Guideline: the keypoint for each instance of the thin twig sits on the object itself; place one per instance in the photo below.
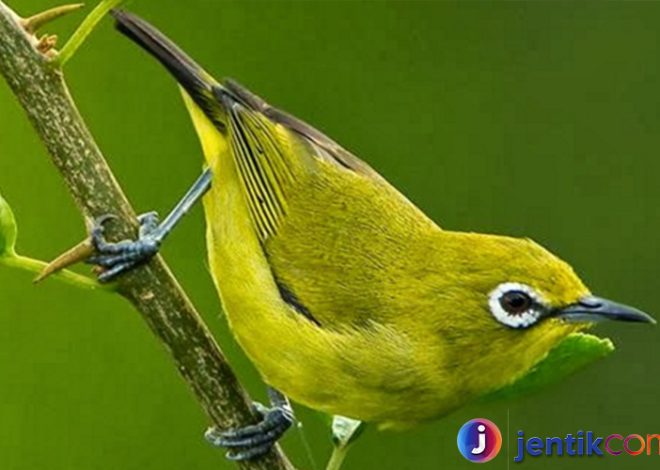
(35, 266)
(84, 30)
(151, 289)
(337, 458)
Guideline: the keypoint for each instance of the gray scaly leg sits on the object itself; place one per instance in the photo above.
(118, 258)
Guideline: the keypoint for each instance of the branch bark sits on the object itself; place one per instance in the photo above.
(152, 289)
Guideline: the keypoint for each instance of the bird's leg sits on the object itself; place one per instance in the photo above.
(253, 441)
(117, 258)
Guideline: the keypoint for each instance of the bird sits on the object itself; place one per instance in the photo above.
(346, 296)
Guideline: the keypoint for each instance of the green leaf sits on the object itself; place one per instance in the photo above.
(8, 230)
(575, 352)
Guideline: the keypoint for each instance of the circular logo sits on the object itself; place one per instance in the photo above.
(479, 440)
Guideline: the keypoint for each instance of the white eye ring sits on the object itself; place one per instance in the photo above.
(521, 320)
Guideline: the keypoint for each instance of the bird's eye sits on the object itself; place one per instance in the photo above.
(516, 305)
(515, 302)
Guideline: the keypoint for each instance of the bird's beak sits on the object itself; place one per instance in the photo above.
(595, 309)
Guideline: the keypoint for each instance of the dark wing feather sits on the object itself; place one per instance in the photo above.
(327, 147)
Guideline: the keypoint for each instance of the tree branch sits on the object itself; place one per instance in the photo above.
(151, 289)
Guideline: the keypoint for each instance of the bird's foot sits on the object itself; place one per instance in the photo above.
(253, 441)
(117, 258)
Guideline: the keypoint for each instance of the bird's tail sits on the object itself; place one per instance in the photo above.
(192, 77)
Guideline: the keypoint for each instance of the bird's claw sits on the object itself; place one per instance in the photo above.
(117, 258)
(148, 223)
(253, 441)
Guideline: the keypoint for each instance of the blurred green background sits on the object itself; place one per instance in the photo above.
(530, 119)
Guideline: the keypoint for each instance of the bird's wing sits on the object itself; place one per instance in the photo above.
(343, 244)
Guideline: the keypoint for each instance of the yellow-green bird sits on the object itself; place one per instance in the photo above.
(347, 297)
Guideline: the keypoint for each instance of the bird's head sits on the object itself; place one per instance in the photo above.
(514, 301)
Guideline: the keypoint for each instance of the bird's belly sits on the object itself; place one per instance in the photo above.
(371, 376)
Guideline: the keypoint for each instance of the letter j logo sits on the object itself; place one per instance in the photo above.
(479, 440)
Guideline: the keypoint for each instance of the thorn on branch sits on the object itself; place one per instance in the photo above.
(33, 23)
(78, 253)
